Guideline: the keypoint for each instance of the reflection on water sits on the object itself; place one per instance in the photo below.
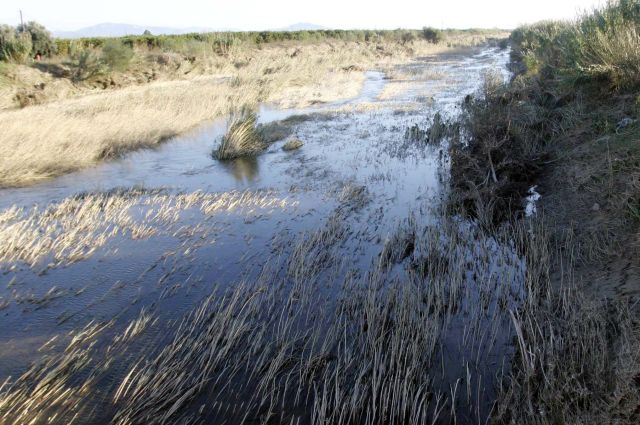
(244, 170)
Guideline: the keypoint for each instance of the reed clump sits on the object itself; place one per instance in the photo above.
(241, 138)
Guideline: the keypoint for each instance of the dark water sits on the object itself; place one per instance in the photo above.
(356, 145)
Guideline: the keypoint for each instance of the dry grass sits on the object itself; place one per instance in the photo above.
(500, 149)
(75, 228)
(241, 138)
(71, 133)
(395, 89)
(47, 140)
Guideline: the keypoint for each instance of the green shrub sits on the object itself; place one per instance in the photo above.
(221, 41)
(87, 65)
(407, 37)
(191, 48)
(432, 35)
(116, 56)
(6, 32)
(603, 46)
(7, 35)
(14, 46)
(41, 39)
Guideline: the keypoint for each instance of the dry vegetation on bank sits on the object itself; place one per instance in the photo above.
(568, 122)
(83, 125)
(573, 131)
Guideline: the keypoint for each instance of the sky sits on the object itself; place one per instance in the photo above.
(269, 14)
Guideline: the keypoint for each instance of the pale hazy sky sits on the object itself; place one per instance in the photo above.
(265, 14)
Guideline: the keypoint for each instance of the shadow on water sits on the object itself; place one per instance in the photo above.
(321, 262)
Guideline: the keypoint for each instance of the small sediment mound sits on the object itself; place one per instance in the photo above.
(292, 144)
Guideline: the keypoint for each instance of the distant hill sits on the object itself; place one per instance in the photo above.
(302, 26)
(119, 30)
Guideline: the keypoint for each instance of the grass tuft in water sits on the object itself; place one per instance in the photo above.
(241, 138)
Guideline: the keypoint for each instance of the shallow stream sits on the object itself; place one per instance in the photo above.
(323, 215)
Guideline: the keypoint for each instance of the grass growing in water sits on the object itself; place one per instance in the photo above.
(75, 228)
(241, 138)
(284, 349)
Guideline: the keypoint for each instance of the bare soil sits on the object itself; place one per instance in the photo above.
(586, 190)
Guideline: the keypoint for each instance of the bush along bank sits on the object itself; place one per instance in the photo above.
(567, 103)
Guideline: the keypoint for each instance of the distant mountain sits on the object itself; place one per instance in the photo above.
(303, 26)
(119, 30)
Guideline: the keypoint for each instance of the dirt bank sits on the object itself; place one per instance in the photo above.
(573, 139)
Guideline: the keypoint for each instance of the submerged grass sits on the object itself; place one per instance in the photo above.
(51, 389)
(320, 346)
(291, 352)
(77, 227)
